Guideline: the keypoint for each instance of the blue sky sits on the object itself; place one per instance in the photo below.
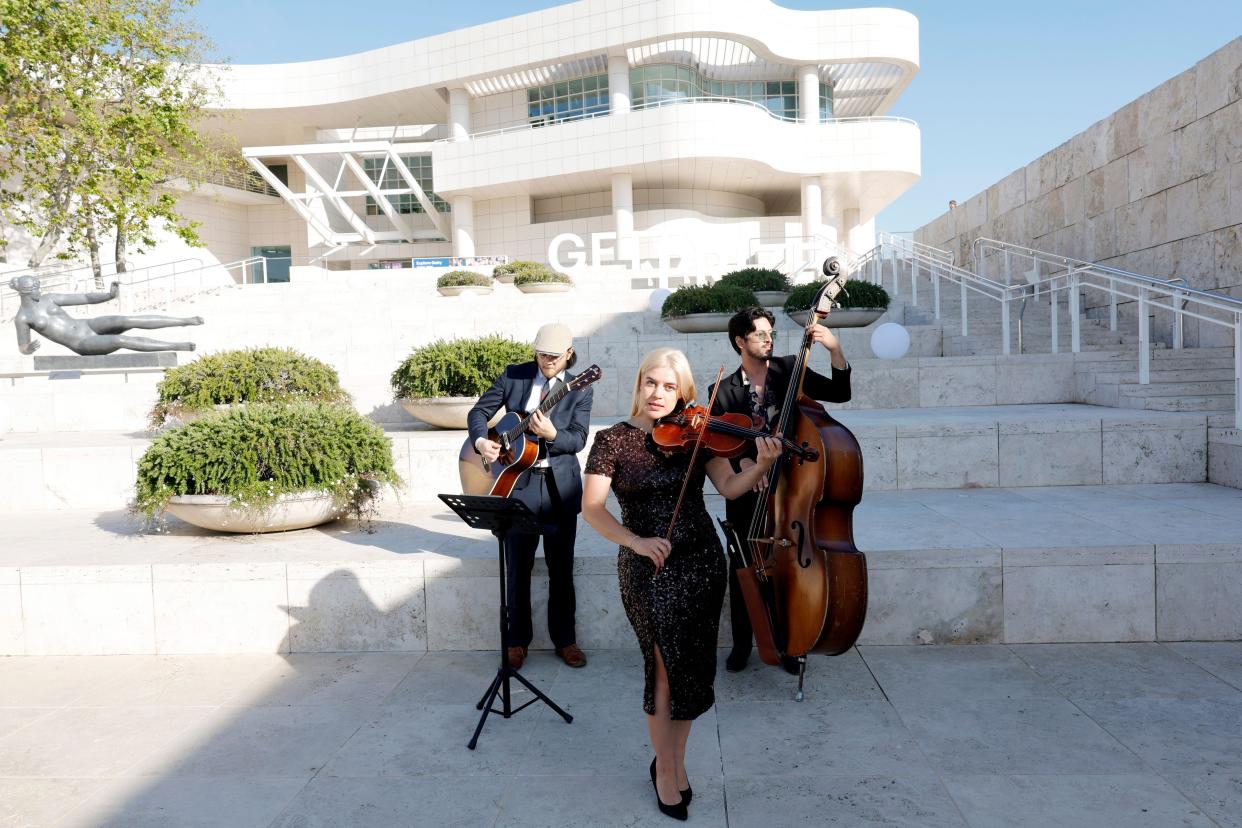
(999, 83)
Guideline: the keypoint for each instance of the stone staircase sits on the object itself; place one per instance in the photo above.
(964, 451)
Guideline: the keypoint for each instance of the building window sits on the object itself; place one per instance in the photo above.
(567, 100)
(663, 82)
(420, 168)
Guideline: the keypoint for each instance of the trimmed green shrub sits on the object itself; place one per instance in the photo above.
(757, 278)
(257, 453)
(456, 367)
(251, 375)
(857, 294)
(511, 270)
(532, 276)
(719, 298)
(860, 294)
(460, 278)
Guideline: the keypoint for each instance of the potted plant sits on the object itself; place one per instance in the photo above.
(861, 303)
(439, 383)
(240, 377)
(542, 279)
(770, 286)
(506, 273)
(457, 282)
(266, 467)
(694, 309)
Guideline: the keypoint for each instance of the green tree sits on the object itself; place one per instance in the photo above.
(103, 101)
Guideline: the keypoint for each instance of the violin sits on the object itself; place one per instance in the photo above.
(724, 435)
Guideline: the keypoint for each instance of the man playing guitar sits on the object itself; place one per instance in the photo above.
(552, 488)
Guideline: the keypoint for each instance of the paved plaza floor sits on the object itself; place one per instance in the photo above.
(1038, 735)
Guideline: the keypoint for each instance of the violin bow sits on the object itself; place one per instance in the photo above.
(694, 455)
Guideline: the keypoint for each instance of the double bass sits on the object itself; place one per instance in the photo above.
(803, 579)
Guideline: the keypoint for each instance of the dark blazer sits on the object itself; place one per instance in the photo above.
(734, 397)
(571, 417)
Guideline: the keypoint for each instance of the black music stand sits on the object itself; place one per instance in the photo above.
(500, 515)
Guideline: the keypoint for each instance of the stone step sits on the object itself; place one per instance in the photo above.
(1057, 564)
(929, 448)
(111, 402)
(1187, 374)
(1188, 389)
(1219, 402)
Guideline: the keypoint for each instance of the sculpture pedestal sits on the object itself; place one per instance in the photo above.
(74, 362)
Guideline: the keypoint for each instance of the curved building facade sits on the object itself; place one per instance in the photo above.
(617, 129)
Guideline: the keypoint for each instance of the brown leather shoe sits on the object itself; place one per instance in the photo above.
(516, 656)
(572, 655)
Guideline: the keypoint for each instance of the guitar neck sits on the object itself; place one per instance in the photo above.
(549, 402)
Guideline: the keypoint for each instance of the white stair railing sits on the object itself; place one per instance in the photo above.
(1074, 277)
(798, 254)
(149, 287)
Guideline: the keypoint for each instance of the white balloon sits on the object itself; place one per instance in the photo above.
(890, 341)
(656, 301)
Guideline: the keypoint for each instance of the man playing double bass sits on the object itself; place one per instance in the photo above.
(757, 389)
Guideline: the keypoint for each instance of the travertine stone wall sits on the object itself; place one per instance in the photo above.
(1154, 188)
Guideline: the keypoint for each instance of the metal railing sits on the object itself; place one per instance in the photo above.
(81, 278)
(1067, 275)
(799, 253)
(938, 265)
(150, 287)
(660, 104)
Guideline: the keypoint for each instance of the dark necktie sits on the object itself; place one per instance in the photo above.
(547, 389)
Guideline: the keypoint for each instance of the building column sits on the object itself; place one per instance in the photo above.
(618, 83)
(858, 236)
(828, 229)
(808, 94)
(623, 215)
(463, 226)
(459, 113)
(812, 207)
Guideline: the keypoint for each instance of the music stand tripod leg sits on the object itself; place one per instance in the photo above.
(499, 515)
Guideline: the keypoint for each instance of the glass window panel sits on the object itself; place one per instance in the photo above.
(562, 89)
(575, 86)
(589, 84)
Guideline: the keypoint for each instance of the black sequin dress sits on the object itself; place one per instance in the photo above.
(679, 609)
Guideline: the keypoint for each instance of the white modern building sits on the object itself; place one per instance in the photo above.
(589, 132)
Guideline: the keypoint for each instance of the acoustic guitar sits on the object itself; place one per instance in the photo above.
(519, 450)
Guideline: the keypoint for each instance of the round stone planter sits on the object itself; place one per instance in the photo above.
(458, 290)
(771, 298)
(842, 317)
(699, 322)
(504, 278)
(545, 287)
(441, 412)
(291, 511)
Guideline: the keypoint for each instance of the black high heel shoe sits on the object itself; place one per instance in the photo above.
(677, 811)
(686, 795)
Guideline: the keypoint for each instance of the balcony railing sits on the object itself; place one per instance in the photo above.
(665, 102)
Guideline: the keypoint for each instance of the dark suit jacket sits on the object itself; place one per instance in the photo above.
(735, 397)
(571, 417)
